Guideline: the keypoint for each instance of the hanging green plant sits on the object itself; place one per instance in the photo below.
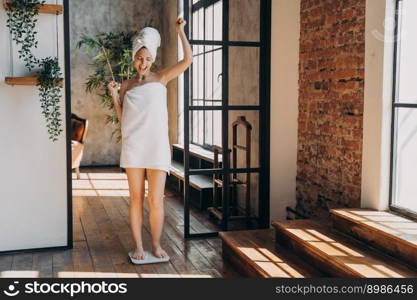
(112, 62)
(21, 21)
(50, 86)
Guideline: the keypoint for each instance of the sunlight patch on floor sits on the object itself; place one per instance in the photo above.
(270, 263)
(101, 185)
(96, 275)
(19, 274)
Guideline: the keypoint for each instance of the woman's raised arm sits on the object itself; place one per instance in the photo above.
(174, 71)
(117, 97)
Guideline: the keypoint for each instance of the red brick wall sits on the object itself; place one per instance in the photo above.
(332, 58)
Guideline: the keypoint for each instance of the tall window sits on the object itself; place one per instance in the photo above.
(207, 22)
(404, 159)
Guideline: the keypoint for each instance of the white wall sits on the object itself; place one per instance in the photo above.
(284, 105)
(33, 183)
(379, 37)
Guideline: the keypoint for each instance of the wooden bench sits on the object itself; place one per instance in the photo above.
(198, 152)
(202, 183)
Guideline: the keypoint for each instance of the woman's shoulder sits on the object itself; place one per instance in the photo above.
(126, 83)
(159, 77)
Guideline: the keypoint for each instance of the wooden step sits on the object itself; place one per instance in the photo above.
(255, 254)
(386, 231)
(336, 254)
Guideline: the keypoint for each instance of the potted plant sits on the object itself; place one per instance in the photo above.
(22, 18)
(112, 61)
(21, 21)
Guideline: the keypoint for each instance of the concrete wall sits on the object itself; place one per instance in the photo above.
(284, 105)
(33, 180)
(91, 17)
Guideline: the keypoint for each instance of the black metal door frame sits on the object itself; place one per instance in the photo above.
(263, 108)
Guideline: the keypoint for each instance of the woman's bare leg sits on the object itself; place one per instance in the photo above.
(156, 188)
(136, 180)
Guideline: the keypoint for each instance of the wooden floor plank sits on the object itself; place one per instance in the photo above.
(83, 265)
(6, 262)
(102, 239)
(21, 266)
(42, 263)
(121, 226)
(95, 244)
(78, 231)
(62, 264)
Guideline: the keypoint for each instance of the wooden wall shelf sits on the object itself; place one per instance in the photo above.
(24, 81)
(51, 9)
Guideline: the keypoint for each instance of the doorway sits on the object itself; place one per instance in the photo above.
(226, 115)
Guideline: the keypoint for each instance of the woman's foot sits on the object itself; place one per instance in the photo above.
(159, 252)
(138, 254)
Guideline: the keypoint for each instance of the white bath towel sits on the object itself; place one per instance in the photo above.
(145, 141)
(148, 37)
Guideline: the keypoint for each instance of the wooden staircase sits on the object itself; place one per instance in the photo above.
(385, 231)
(255, 254)
(358, 243)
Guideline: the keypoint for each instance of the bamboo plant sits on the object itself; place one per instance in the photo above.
(112, 61)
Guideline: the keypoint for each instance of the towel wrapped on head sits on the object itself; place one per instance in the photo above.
(150, 39)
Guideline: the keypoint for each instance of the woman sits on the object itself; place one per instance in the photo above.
(141, 106)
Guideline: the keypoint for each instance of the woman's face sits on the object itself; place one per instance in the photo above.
(143, 62)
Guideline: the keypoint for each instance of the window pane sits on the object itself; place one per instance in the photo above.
(244, 75)
(209, 23)
(206, 128)
(217, 77)
(217, 128)
(407, 64)
(197, 69)
(194, 128)
(194, 28)
(208, 73)
(200, 124)
(201, 24)
(200, 80)
(194, 72)
(244, 18)
(405, 162)
(218, 21)
(209, 127)
(251, 118)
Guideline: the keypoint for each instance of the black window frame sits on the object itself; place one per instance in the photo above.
(204, 4)
(396, 105)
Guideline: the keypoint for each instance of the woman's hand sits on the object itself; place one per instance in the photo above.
(174, 71)
(180, 24)
(113, 88)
